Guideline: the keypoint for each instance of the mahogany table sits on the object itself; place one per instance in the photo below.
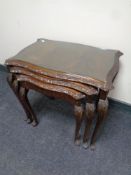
(71, 65)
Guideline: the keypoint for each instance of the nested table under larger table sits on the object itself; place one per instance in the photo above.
(73, 63)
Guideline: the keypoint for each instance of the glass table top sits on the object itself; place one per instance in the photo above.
(70, 58)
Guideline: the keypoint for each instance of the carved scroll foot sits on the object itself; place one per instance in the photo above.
(23, 96)
(90, 108)
(78, 110)
(102, 113)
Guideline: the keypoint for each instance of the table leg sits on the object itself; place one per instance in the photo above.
(23, 96)
(90, 109)
(102, 113)
(15, 87)
(78, 110)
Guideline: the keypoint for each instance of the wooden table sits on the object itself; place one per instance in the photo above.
(72, 63)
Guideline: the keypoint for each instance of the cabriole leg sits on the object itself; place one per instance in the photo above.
(102, 113)
(23, 96)
(15, 87)
(78, 110)
(90, 109)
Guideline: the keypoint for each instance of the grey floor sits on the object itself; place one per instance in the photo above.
(48, 149)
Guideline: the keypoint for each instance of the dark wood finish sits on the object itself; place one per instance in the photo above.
(56, 74)
(88, 90)
(73, 67)
(15, 87)
(90, 109)
(70, 93)
(73, 96)
(70, 61)
(23, 96)
(78, 111)
(102, 113)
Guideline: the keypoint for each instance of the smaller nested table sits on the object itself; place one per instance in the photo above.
(85, 69)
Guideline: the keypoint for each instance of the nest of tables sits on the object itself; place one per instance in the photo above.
(80, 74)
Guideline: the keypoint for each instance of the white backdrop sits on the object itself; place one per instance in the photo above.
(103, 23)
